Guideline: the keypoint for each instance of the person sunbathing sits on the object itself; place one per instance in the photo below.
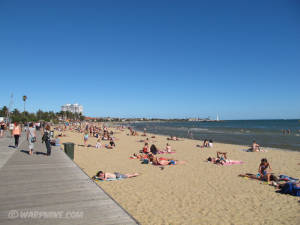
(154, 150)
(205, 144)
(173, 138)
(255, 147)
(168, 149)
(112, 143)
(116, 175)
(146, 148)
(164, 162)
(139, 156)
(264, 170)
(220, 159)
(257, 177)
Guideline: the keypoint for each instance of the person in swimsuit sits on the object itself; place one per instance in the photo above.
(255, 147)
(146, 148)
(168, 148)
(264, 170)
(220, 159)
(116, 175)
(112, 143)
(164, 162)
(85, 138)
(98, 144)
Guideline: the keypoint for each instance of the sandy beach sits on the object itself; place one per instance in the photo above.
(197, 192)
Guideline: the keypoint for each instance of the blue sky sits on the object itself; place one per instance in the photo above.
(167, 59)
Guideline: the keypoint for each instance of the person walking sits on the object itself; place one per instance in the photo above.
(17, 133)
(2, 128)
(46, 139)
(31, 137)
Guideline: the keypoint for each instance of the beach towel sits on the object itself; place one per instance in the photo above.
(287, 178)
(232, 162)
(108, 179)
(291, 188)
(249, 150)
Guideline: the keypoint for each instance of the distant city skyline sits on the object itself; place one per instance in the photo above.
(153, 59)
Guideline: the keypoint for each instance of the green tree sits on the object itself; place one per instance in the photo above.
(3, 111)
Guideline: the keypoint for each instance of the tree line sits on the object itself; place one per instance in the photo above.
(50, 116)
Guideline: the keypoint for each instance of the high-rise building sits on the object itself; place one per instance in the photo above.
(73, 108)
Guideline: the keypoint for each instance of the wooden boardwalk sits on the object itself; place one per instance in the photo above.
(51, 190)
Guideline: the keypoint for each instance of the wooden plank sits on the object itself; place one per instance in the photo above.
(41, 184)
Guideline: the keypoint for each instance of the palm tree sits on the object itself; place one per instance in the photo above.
(24, 99)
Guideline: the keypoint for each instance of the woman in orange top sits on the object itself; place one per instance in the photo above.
(17, 133)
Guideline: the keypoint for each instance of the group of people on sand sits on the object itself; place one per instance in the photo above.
(206, 144)
(100, 134)
(284, 184)
(149, 154)
(154, 150)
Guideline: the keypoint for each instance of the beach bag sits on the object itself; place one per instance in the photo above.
(45, 137)
(290, 188)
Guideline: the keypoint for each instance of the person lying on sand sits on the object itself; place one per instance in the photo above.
(220, 159)
(116, 175)
(173, 138)
(145, 141)
(139, 156)
(257, 177)
(164, 162)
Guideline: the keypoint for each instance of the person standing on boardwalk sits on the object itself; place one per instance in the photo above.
(2, 128)
(31, 137)
(17, 132)
(46, 139)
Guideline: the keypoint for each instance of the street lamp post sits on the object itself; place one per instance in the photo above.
(24, 99)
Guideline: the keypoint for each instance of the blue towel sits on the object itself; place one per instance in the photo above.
(287, 178)
(108, 179)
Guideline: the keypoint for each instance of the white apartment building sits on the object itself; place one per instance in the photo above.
(73, 108)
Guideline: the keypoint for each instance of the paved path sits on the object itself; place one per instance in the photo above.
(40, 186)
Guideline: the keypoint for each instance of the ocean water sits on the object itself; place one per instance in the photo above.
(267, 133)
